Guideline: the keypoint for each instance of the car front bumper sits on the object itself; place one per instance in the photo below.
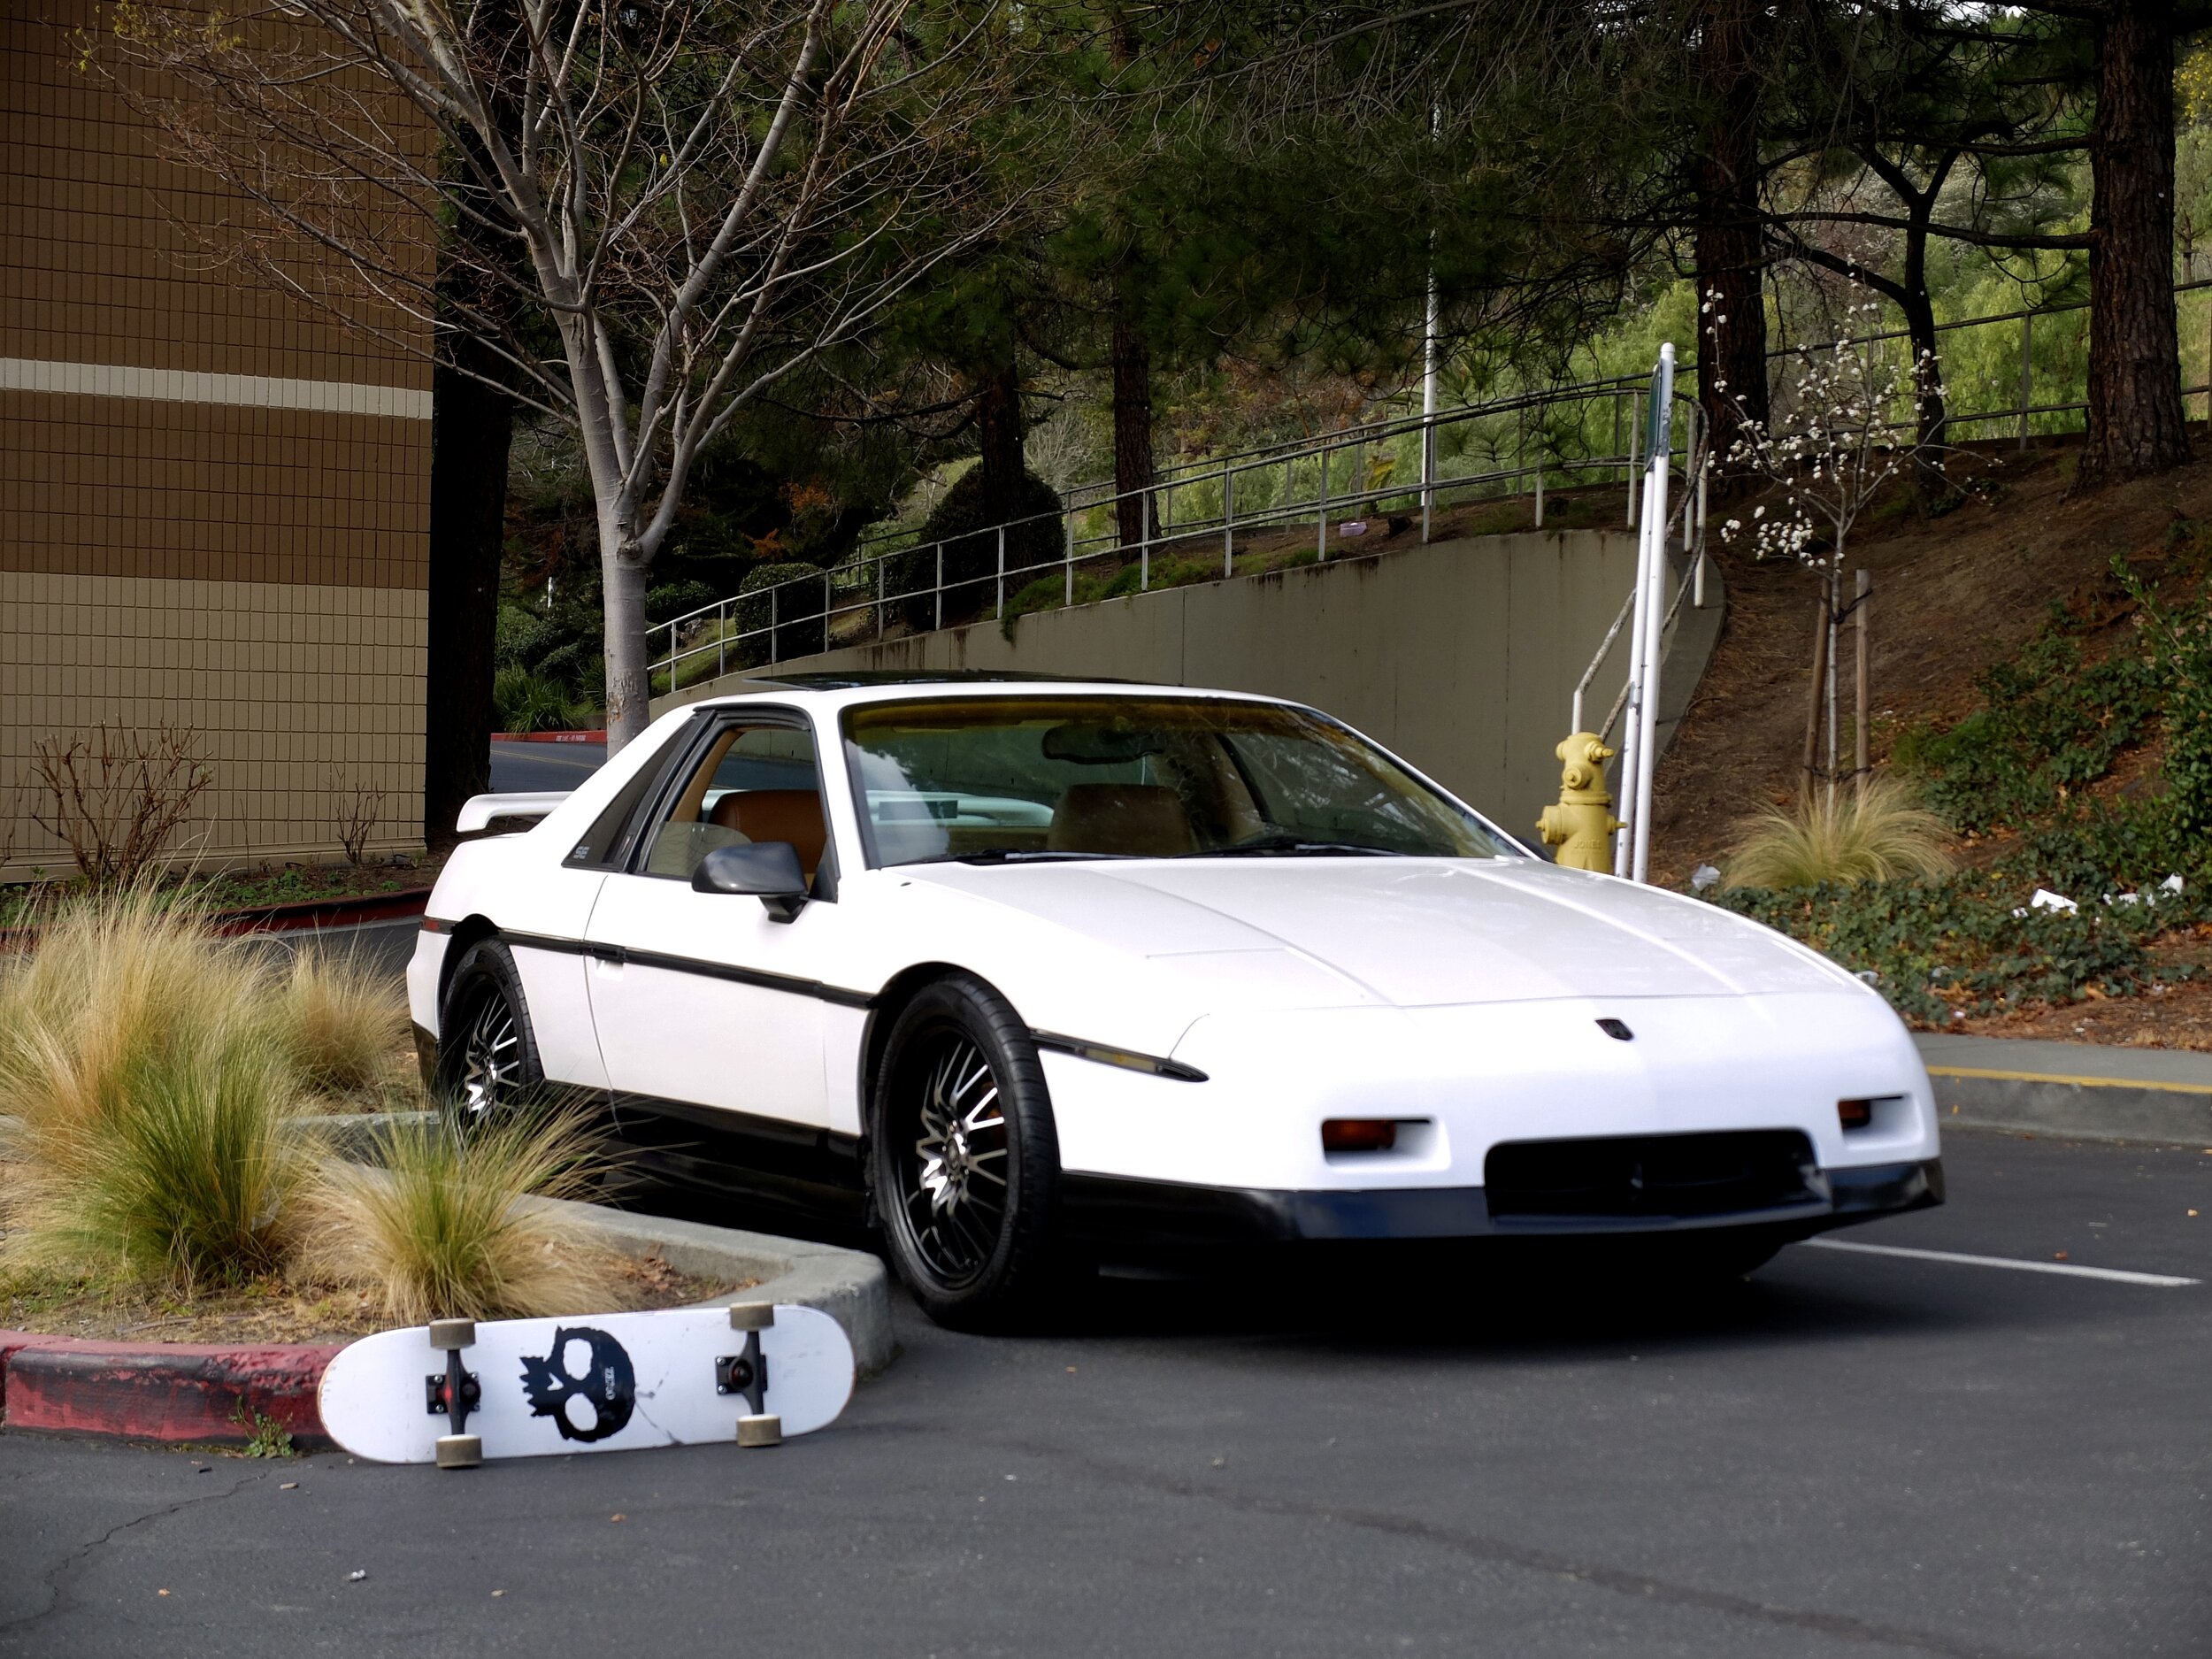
(1110, 1210)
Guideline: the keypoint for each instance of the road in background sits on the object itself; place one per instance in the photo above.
(1850, 1454)
(530, 768)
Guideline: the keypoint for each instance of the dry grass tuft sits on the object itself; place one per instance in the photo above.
(1874, 834)
(138, 1054)
(440, 1231)
(340, 1019)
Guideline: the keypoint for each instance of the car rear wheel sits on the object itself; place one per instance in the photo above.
(488, 1058)
(964, 1159)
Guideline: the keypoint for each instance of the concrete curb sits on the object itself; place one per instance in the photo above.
(221, 1395)
(2083, 1091)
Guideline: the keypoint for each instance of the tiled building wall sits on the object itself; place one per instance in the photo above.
(213, 503)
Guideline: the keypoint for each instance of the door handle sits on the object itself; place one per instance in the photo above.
(604, 953)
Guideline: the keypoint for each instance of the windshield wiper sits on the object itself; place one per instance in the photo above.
(1294, 846)
(1018, 856)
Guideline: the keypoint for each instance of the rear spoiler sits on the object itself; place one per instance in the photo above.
(478, 810)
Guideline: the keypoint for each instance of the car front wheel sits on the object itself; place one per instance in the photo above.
(488, 1059)
(965, 1161)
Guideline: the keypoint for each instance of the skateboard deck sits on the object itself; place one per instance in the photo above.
(592, 1383)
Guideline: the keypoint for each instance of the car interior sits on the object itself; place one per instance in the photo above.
(755, 783)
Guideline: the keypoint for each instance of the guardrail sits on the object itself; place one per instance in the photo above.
(1519, 446)
(1336, 483)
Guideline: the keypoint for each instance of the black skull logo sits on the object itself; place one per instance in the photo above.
(586, 1384)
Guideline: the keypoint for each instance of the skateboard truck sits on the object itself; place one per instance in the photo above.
(747, 1374)
(453, 1394)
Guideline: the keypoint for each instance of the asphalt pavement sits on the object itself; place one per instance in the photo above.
(1853, 1453)
(533, 768)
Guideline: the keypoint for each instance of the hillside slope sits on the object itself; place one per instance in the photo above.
(1953, 595)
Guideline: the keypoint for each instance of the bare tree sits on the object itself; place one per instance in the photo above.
(117, 796)
(1847, 425)
(672, 206)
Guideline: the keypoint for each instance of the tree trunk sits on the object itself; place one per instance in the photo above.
(2136, 425)
(471, 427)
(1731, 324)
(1133, 474)
(999, 433)
(1933, 415)
(622, 585)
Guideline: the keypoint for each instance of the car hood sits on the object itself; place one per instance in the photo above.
(1411, 932)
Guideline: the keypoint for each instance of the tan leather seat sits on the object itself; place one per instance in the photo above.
(1146, 819)
(777, 815)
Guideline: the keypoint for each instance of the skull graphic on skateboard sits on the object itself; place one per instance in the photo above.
(457, 1392)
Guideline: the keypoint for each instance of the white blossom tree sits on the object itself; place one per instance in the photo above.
(1848, 426)
(653, 212)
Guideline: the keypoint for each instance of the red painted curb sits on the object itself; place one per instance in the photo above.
(163, 1392)
(344, 911)
(599, 736)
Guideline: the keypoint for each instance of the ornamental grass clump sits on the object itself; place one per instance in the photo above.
(444, 1229)
(341, 1021)
(137, 1054)
(1873, 834)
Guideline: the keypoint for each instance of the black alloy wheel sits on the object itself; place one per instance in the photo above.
(488, 1058)
(964, 1159)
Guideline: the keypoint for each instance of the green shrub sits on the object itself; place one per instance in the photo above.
(968, 532)
(2181, 651)
(527, 701)
(1870, 834)
(2049, 724)
(795, 614)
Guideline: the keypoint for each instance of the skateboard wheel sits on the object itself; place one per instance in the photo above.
(459, 1451)
(752, 1316)
(766, 1430)
(451, 1333)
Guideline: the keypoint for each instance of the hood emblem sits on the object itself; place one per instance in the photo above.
(1616, 1030)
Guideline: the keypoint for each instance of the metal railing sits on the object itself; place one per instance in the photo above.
(1339, 484)
(1527, 443)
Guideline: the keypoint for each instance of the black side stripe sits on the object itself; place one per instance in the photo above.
(788, 983)
(1103, 1054)
(1128, 1059)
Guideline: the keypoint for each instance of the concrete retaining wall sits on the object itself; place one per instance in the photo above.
(1462, 656)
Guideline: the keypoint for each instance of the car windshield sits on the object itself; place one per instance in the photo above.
(1003, 780)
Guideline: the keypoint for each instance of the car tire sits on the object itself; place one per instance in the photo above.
(487, 1057)
(964, 1158)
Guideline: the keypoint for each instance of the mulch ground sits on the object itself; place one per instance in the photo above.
(266, 1310)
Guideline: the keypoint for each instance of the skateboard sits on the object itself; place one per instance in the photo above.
(457, 1392)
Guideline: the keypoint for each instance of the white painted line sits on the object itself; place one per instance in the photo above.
(181, 386)
(2161, 1281)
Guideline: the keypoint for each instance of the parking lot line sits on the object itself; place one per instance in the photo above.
(2161, 1281)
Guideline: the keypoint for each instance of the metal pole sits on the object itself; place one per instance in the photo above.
(1428, 474)
(1539, 467)
(1069, 529)
(775, 594)
(1144, 542)
(881, 565)
(1321, 514)
(1228, 520)
(940, 585)
(2027, 373)
(1646, 730)
(1863, 602)
(998, 610)
(1635, 442)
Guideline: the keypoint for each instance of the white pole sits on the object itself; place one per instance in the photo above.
(1655, 523)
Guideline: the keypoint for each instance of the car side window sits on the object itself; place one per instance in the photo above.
(605, 841)
(755, 782)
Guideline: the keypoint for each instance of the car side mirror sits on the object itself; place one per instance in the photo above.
(767, 870)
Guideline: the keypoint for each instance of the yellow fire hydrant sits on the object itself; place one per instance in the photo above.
(1581, 823)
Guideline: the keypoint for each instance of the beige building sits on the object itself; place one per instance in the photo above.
(214, 505)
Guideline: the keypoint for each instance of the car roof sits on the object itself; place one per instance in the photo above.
(845, 690)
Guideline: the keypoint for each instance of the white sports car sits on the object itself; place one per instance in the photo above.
(1032, 970)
